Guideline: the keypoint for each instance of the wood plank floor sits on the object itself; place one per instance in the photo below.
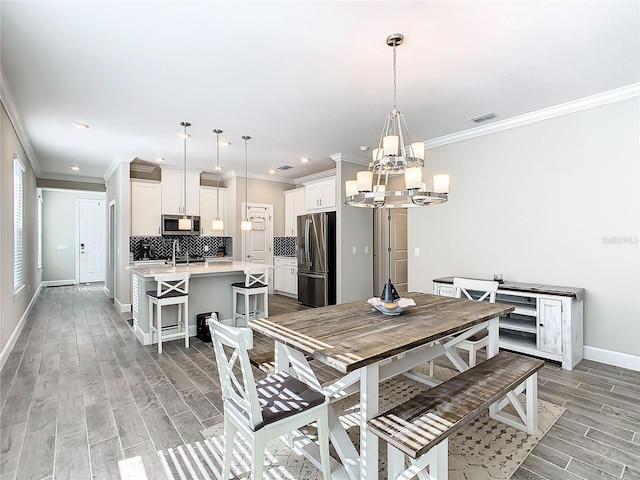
(79, 392)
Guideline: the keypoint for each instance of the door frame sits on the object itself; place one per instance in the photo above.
(110, 280)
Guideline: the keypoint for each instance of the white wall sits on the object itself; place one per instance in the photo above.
(539, 203)
(14, 308)
(59, 233)
(119, 189)
(354, 229)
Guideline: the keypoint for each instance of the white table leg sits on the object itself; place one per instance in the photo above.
(369, 379)
(494, 337)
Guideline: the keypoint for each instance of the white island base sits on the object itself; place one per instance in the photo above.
(209, 291)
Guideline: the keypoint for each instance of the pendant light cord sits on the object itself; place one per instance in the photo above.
(218, 132)
(395, 102)
(246, 176)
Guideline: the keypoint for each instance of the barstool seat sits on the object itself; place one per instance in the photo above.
(255, 291)
(172, 289)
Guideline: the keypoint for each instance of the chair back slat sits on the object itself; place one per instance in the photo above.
(464, 286)
(172, 282)
(255, 276)
(236, 377)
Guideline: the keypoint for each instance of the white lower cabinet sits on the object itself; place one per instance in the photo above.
(285, 276)
(546, 321)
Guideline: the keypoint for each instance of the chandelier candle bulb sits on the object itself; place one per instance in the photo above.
(441, 183)
(351, 187)
(377, 154)
(413, 178)
(417, 150)
(390, 144)
(365, 179)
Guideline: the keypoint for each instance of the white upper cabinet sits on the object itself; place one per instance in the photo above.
(321, 195)
(209, 209)
(172, 193)
(145, 208)
(294, 205)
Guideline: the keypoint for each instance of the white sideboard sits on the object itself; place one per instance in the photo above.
(546, 322)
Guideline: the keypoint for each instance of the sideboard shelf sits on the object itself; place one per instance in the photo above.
(546, 322)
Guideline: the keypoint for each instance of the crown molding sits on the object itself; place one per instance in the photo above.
(72, 178)
(345, 157)
(9, 103)
(316, 176)
(257, 176)
(112, 168)
(585, 103)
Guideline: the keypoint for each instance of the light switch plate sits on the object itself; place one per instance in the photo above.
(416, 252)
(355, 250)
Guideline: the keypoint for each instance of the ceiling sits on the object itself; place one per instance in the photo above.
(303, 79)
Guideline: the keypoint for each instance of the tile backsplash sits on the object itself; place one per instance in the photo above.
(284, 246)
(194, 245)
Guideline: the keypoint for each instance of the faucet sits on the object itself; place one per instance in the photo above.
(176, 246)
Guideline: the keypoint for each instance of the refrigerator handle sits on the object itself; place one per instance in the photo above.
(307, 225)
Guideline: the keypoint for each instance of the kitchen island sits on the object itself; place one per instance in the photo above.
(209, 291)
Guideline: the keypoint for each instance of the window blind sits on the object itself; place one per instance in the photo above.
(18, 214)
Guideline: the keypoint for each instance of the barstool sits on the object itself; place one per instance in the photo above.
(255, 283)
(173, 289)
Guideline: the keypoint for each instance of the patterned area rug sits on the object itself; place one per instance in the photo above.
(483, 449)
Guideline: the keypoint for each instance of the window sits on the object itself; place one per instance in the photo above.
(18, 171)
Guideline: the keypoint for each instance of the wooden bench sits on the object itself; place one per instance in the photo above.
(419, 428)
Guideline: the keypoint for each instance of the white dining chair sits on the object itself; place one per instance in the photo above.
(255, 293)
(485, 290)
(263, 410)
(171, 289)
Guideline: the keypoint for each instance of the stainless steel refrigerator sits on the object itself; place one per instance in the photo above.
(316, 252)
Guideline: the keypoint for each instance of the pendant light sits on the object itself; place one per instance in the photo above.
(217, 224)
(246, 224)
(184, 223)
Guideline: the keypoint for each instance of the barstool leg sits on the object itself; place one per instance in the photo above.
(159, 309)
(186, 324)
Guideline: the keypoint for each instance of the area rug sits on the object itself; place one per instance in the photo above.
(483, 449)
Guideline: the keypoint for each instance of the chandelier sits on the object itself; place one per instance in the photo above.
(381, 186)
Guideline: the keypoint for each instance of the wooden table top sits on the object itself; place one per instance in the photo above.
(352, 335)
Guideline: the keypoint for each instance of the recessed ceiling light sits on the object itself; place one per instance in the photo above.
(364, 148)
(158, 159)
(304, 160)
(224, 143)
(81, 126)
(74, 168)
(272, 171)
(218, 168)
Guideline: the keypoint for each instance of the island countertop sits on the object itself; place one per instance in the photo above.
(200, 268)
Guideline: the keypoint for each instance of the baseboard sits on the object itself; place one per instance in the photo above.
(8, 348)
(122, 307)
(610, 357)
(58, 283)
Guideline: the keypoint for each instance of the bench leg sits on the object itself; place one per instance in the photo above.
(527, 418)
(437, 459)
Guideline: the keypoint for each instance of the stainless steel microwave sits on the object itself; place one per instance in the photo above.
(170, 225)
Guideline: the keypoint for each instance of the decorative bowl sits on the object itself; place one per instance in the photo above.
(396, 309)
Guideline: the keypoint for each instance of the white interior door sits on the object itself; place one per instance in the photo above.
(257, 243)
(398, 256)
(91, 240)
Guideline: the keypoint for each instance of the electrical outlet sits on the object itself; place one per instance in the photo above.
(416, 252)
(354, 251)
(366, 249)
(206, 248)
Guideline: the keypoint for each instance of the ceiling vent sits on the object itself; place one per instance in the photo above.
(284, 167)
(483, 118)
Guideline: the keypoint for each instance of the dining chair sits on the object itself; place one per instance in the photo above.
(263, 410)
(171, 289)
(485, 290)
(255, 293)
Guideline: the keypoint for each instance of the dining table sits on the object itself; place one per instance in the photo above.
(368, 347)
